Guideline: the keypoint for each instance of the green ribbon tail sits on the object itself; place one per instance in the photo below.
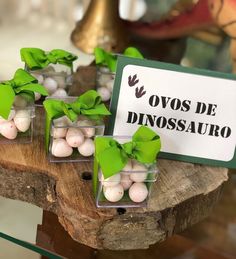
(107, 150)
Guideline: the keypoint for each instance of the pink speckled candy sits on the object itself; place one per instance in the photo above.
(139, 172)
(104, 93)
(138, 192)
(88, 132)
(128, 167)
(59, 132)
(50, 84)
(74, 137)
(8, 130)
(60, 93)
(87, 148)
(22, 120)
(60, 148)
(113, 193)
(125, 181)
(111, 181)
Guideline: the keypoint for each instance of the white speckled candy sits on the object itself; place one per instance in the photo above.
(50, 84)
(20, 101)
(139, 172)
(113, 193)
(103, 79)
(104, 93)
(128, 167)
(88, 132)
(125, 182)
(109, 85)
(8, 130)
(60, 148)
(87, 148)
(37, 96)
(59, 132)
(10, 116)
(22, 120)
(111, 181)
(138, 177)
(138, 192)
(74, 137)
(59, 93)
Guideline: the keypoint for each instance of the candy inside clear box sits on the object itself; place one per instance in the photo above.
(131, 187)
(56, 78)
(105, 82)
(73, 141)
(19, 126)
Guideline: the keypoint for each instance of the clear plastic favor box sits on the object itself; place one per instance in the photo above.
(56, 78)
(73, 141)
(131, 187)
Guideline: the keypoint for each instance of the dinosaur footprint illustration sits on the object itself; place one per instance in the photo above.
(132, 80)
(139, 92)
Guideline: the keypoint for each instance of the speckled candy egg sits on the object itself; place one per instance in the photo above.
(111, 181)
(50, 84)
(87, 148)
(22, 120)
(103, 79)
(139, 173)
(128, 167)
(104, 93)
(88, 132)
(113, 193)
(74, 137)
(138, 192)
(59, 132)
(60, 93)
(60, 148)
(125, 181)
(8, 130)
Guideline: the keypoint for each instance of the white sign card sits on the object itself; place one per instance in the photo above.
(192, 110)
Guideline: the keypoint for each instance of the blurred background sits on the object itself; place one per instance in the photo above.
(48, 24)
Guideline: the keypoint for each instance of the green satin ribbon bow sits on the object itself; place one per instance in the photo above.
(108, 59)
(89, 104)
(113, 156)
(36, 58)
(22, 84)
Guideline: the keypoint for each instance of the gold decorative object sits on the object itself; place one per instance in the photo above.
(101, 26)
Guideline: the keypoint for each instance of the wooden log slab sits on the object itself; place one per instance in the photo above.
(183, 195)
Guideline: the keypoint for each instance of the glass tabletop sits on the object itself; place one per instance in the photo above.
(28, 232)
